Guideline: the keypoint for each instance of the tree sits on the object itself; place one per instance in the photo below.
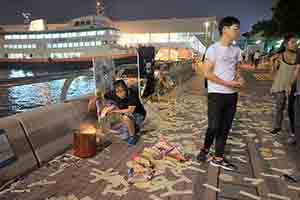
(285, 19)
(268, 27)
(286, 14)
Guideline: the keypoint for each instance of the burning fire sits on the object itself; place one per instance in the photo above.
(87, 129)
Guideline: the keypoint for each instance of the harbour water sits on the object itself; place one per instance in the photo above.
(26, 97)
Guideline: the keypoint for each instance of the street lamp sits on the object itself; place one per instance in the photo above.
(206, 24)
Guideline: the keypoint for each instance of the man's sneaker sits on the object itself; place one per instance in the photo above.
(223, 164)
(202, 156)
(275, 131)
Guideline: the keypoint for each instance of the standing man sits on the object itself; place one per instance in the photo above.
(224, 80)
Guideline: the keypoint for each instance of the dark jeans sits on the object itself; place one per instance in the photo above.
(280, 98)
(221, 111)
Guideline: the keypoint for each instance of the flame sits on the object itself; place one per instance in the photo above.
(87, 129)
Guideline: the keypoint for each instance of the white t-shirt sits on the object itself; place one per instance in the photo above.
(225, 60)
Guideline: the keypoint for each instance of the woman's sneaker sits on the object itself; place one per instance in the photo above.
(223, 164)
(292, 139)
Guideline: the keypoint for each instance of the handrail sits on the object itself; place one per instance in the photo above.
(11, 82)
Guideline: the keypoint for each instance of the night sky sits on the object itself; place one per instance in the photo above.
(56, 11)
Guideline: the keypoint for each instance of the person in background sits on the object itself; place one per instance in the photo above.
(256, 58)
(284, 85)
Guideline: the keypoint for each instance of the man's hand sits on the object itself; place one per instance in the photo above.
(236, 83)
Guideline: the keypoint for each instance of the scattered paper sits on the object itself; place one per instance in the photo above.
(250, 195)
(270, 175)
(293, 188)
(283, 171)
(41, 183)
(20, 191)
(276, 196)
(212, 187)
(226, 178)
(254, 181)
(93, 162)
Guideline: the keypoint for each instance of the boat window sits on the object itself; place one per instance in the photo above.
(8, 37)
(98, 43)
(92, 33)
(15, 55)
(32, 36)
(83, 34)
(15, 37)
(55, 35)
(39, 36)
(51, 35)
(64, 35)
(74, 34)
(101, 32)
(23, 37)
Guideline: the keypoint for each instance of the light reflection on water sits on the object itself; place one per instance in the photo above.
(26, 97)
(20, 73)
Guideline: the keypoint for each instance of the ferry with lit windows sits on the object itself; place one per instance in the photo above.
(75, 45)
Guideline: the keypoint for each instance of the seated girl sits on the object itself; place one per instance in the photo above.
(129, 106)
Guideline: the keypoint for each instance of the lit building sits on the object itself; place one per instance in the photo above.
(173, 37)
(90, 36)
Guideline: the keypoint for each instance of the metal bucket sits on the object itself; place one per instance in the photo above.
(84, 144)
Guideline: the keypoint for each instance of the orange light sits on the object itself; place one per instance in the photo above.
(87, 129)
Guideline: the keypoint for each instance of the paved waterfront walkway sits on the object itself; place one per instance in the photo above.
(261, 158)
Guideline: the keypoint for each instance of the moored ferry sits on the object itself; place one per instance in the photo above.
(75, 44)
